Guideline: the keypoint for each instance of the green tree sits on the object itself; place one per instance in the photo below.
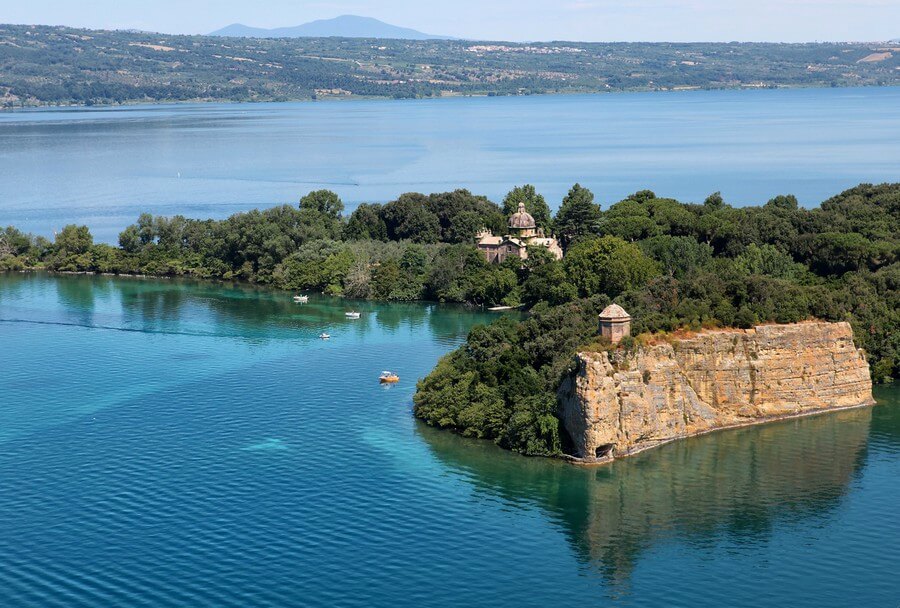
(833, 253)
(722, 229)
(385, 278)
(533, 427)
(414, 261)
(408, 217)
(366, 223)
(548, 283)
(130, 239)
(768, 260)
(630, 220)
(677, 255)
(74, 240)
(493, 285)
(578, 216)
(461, 214)
(607, 265)
(325, 202)
(534, 204)
(463, 227)
(170, 231)
(788, 202)
(714, 201)
(13, 242)
(454, 271)
(316, 265)
(413, 268)
(146, 226)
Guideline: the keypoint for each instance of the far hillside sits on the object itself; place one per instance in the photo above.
(43, 65)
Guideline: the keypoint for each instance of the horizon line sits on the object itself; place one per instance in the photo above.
(441, 38)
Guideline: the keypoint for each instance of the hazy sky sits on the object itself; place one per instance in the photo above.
(588, 20)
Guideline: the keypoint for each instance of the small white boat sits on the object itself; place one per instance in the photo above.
(301, 299)
(324, 336)
(351, 315)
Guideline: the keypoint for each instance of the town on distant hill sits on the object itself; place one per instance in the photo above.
(49, 65)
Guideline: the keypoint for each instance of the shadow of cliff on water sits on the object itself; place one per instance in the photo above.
(736, 484)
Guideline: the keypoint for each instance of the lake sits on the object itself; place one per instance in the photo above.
(173, 443)
(104, 166)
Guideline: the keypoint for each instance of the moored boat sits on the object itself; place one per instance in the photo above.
(324, 336)
(301, 299)
(351, 315)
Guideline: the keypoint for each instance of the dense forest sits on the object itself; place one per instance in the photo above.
(672, 265)
(43, 65)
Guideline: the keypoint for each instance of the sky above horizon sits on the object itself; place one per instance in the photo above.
(582, 20)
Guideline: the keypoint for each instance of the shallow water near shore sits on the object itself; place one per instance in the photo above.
(168, 443)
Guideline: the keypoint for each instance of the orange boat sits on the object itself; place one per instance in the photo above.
(388, 378)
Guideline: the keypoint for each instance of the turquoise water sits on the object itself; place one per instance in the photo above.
(182, 444)
(103, 167)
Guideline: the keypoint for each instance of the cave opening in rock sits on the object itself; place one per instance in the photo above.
(604, 450)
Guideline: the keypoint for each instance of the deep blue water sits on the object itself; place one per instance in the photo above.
(103, 167)
(169, 443)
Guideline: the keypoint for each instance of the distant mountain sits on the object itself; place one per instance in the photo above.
(345, 26)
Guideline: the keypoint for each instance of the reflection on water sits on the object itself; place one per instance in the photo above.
(733, 483)
(205, 308)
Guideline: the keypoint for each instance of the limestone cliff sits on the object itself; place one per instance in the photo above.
(619, 403)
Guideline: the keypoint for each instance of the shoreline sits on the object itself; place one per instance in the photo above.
(242, 283)
(585, 462)
(486, 94)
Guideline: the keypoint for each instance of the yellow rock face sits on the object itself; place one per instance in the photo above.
(712, 380)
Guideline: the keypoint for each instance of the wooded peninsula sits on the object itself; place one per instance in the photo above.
(672, 265)
(47, 65)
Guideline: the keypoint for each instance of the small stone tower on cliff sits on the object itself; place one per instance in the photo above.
(615, 323)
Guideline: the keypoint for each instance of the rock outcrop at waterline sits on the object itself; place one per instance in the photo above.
(620, 403)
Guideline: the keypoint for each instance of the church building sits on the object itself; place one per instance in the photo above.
(522, 234)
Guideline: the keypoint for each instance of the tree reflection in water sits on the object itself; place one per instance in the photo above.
(251, 313)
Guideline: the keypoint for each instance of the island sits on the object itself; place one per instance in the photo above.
(633, 285)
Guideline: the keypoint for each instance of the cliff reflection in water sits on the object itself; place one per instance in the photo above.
(735, 483)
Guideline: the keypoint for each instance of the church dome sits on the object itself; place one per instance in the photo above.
(521, 219)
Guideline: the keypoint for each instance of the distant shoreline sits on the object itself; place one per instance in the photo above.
(373, 98)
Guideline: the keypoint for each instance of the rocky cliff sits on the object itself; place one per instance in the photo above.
(620, 403)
